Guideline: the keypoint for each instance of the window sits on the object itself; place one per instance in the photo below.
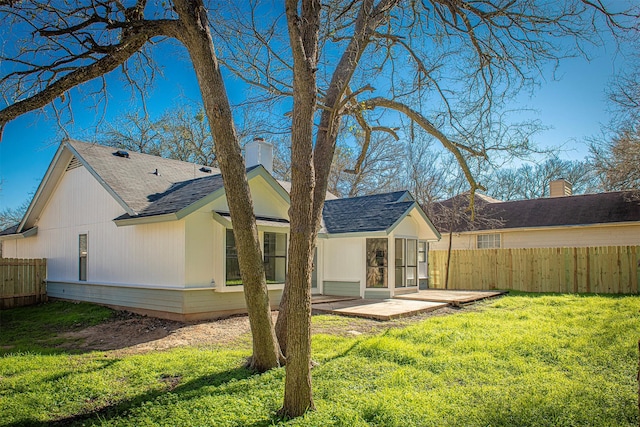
(422, 252)
(412, 262)
(233, 268)
(377, 263)
(275, 257)
(400, 263)
(406, 262)
(488, 241)
(82, 257)
(422, 259)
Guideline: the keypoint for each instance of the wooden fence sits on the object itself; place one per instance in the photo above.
(22, 282)
(602, 269)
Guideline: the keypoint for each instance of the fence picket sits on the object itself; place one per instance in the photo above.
(602, 269)
(22, 282)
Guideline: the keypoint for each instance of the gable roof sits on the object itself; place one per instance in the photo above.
(139, 180)
(366, 213)
(585, 209)
(378, 212)
(154, 189)
(144, 185)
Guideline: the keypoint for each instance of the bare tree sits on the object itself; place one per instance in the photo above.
(186, 136)
(12, 216)
(70, 44)
(379, 169)
(134, 132)
(616, 154)
(447, 66)
(459, 214)
(532, 181)
(494, 43)
(618, 160)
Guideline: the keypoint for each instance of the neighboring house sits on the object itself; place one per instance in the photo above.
(154, 235)
(562, 220)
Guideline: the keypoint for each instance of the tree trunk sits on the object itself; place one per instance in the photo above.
(196, 37)
(303, 35)
(446, 277)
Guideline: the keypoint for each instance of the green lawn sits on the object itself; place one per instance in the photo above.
(517, 361)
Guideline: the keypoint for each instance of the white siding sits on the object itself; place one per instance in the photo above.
(199, 249)
(266, 201)
(408, 227)
(151, 254)
(582, 236)
(205, 237)
(344, 259)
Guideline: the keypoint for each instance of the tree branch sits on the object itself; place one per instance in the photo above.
(454, 147)
(120, 54)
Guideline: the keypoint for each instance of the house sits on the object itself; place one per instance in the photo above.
(561, 220)
(154, 235)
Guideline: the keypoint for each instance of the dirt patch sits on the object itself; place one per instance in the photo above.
(130, 333)
(133, 333)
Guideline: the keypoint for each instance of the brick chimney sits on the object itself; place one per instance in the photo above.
(259, 152)
(560, 188)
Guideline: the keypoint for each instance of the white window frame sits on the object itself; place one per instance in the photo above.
(406, 262)
(488, 241)
(240, 287)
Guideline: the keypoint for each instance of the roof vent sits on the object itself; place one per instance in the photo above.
(205, 169)
(121, 153)
(74, 163)
(156, 173)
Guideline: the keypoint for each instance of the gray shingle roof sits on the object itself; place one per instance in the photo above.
(585, 209)
(133, 179)
(11, 230)
(177, 185)
(367, 213)
(179, 196)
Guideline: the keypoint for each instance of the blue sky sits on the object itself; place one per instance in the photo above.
(574, 106)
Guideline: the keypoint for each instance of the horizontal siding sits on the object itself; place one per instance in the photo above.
(168, 300)
(343, 289)
(371, 294)
(202, 303)
(199, 301)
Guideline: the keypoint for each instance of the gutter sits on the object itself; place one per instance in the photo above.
(28, 233)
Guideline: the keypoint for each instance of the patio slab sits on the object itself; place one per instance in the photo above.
(317, 299)
(378, 309)
(455, 298)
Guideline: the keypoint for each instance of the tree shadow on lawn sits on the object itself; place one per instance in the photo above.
(35, 330)
(184, 391)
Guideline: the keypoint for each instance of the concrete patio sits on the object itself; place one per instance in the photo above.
(455, 298)
(399, 306)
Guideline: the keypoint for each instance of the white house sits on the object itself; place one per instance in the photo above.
(154, 235)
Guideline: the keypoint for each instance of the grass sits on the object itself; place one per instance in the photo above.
(35, 329)
(518, 361)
